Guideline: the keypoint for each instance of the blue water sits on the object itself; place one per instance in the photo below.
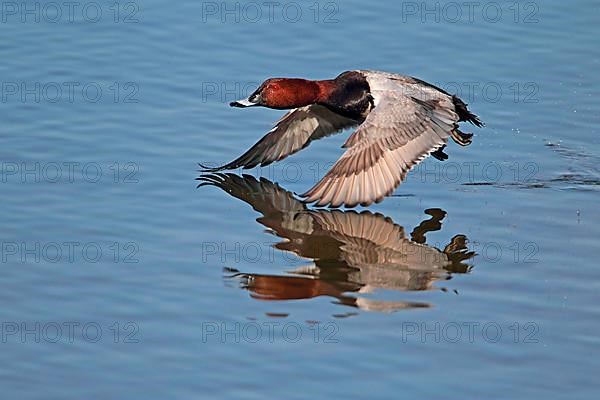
(121, 279)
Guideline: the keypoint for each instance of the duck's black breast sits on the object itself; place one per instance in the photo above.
(351, 96)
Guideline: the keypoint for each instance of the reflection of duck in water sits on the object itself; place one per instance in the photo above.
(352, 252)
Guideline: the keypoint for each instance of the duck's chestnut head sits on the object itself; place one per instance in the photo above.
(283, 93)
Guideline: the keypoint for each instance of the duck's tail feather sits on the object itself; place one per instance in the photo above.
(464, 114)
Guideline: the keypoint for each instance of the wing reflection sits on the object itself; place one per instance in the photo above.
(351, 251)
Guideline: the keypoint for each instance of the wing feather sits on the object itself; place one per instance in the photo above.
(399, 133)
(293, 132)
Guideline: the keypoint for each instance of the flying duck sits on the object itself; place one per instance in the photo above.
(399, 121)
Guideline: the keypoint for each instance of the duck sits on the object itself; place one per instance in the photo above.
(398, 121)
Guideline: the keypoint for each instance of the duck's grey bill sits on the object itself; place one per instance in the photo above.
(242, 103)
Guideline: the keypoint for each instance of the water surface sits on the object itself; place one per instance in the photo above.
(488, 284)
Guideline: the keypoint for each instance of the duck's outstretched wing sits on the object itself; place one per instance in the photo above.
(400, 132)
(291, 134)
